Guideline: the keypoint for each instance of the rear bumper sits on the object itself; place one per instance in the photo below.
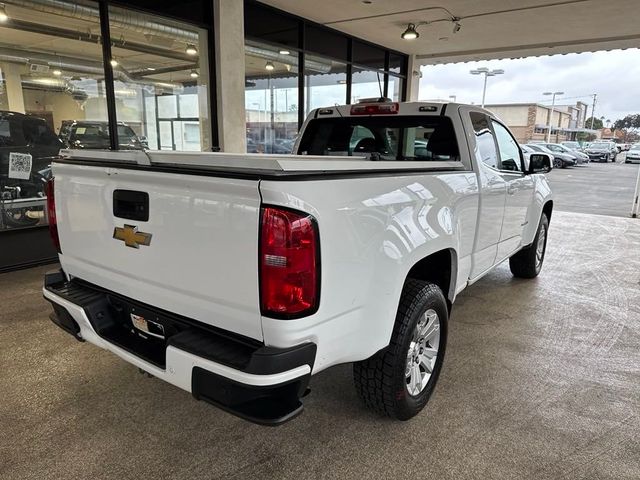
(258, 383)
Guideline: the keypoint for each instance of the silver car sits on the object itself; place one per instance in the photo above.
(581, 158)
(633, 154)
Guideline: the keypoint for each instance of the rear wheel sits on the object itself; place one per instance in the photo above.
(527, 263)
(557, 163)
(399, 380)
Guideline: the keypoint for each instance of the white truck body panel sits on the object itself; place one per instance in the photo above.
(202, 260)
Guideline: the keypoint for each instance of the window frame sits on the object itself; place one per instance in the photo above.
(521, 172)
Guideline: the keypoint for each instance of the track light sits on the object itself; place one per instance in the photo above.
(3, 13)
(194, 73)
(191, 50)
(269, 66)
(410, 33)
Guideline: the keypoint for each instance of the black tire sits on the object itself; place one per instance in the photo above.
(557, 163)
(525, 263)
(381, 380)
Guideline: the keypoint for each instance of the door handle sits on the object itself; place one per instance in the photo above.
(511, 189)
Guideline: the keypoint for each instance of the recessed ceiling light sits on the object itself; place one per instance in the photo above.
(194, 74)
(191, 50)
(114, 62)
(3, 13)
(151, 69)
(284, 52)
(269, 66)
(57, 72)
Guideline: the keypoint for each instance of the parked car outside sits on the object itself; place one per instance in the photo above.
(602, 152)
(559, 148)
(94, 135)
(560, 160)
(633, 155)
(573, 146)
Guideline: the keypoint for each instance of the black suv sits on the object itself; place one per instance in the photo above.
(95, 135)
(24, 134)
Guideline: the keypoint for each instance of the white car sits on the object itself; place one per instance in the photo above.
(633, 154)
(239, 276)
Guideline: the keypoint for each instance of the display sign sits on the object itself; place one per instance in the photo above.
(20, 165)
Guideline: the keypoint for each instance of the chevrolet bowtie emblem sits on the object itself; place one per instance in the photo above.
(131, 236)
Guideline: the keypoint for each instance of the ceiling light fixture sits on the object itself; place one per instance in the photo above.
(194, 74)
(3, 13)
(284, 52)
(269, 66)
(114, 62)
(57, 72)
(191, 50)
(151, 69)
(410, 33)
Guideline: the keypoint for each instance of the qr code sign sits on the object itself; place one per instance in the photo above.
(20, 165)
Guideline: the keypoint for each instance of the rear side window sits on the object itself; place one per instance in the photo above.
(422, 138)
(486, 150)
(37, 132)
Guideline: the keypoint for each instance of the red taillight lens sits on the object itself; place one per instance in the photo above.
(289, 263)
(375, 109)
(51, 214)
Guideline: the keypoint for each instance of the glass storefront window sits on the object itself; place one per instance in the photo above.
(271, 98)
(325, 82)
(366, 84)
(395, 88)
(43, 92)
(160, 69)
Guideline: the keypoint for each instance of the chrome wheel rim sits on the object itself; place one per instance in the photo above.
(540, 246)
(423, 352)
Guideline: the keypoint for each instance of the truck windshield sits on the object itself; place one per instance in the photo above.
(382, 138)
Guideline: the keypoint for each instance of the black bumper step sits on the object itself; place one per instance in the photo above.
(110, 315)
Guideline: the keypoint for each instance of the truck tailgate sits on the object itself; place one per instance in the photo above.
(201, 260)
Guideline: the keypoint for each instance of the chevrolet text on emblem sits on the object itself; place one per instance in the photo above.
(131, 236)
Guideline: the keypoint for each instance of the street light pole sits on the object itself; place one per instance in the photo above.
(487, 73)
(553, 104)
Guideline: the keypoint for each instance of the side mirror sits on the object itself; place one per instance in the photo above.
(539, 163)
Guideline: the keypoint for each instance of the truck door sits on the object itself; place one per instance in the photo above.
(519, 191)
(492, 192)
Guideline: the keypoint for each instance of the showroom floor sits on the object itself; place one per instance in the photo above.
(541, 380)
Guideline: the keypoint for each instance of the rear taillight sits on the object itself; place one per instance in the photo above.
(375, 109)
(51, 214)
(289, 263)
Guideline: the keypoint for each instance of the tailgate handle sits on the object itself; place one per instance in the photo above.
(131, 205)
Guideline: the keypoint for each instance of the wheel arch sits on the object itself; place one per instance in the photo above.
(547, 209)
(439, 268)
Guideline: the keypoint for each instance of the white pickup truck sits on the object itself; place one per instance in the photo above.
(237, 277)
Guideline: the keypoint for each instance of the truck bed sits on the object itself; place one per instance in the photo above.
(252, 163)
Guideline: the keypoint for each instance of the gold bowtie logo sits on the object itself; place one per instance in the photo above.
(131, 236)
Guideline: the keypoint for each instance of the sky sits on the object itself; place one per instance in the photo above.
(613, 75)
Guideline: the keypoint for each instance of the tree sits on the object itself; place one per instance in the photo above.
(629, 126)
(597, 123)
(585, 137)
(630, 122)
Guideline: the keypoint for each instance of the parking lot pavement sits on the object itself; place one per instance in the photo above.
(541, 380)
(600, 188)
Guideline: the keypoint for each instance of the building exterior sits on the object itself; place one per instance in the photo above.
(530, 122)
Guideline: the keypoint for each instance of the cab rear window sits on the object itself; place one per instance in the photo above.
(422, 138)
